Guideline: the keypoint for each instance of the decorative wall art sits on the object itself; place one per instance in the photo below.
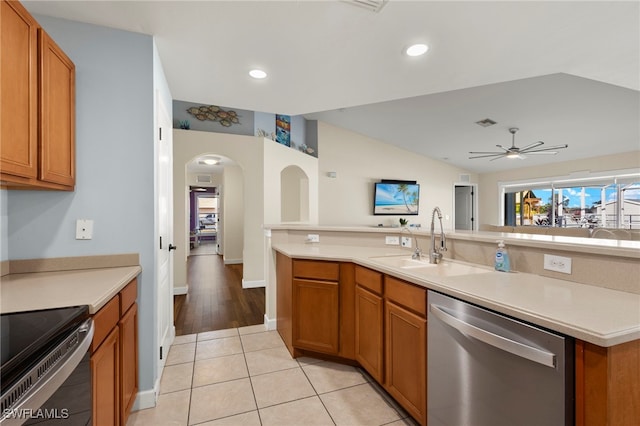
(214, 113)
(283, 129)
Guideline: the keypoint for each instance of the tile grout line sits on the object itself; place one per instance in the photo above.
(317, 395)
(255, 400)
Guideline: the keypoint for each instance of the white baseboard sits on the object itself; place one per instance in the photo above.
(270, 324)
(177, 291)
(146, 399)
(253, 284)
(232, 261)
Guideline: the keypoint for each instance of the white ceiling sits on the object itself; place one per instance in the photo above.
(563, 72)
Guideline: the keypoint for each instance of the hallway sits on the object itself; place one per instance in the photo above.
(216, 299)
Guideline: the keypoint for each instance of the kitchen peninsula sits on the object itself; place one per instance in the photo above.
(598, 304)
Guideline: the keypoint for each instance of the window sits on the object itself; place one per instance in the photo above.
(575, 203)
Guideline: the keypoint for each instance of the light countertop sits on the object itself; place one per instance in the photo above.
(46, 290)
(597, 315)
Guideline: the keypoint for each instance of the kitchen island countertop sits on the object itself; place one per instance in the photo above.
(597, 315)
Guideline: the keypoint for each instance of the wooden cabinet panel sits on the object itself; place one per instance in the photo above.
(408, 295)
(284, 300)
(128, 296)
(347, 311)
(18, 92)
(105, 364)
(316, 269)
(57, 114)
(369, 335)
(369, 279)
(607, 390)
(104, 321)
(128, 326)
(315, 315)
(406, 359)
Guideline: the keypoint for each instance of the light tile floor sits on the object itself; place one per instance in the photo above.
(246, 376)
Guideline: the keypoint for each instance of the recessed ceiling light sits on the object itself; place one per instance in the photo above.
(416, 50)
(257, 74)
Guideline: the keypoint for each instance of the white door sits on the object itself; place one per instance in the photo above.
(164, 144)
(464, 207)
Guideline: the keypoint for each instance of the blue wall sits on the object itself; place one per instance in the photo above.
(114, 166)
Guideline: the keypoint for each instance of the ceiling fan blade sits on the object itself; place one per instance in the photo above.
(550, 148)
(532, 145)
(545, 152)
(486, 152)
(496, 154)
(503, 148)
(497, 158)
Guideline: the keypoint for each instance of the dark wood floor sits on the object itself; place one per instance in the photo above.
(216, 299)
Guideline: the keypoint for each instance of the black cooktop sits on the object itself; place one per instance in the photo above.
(26, 337)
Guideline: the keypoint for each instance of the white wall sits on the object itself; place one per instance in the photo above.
(359, 161)
(114, 166)
(277, 157)
(247, 152)
(233, 214)
(488, 197)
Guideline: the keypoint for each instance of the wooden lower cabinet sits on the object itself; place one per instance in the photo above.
(105, 365)
(114, 358)
(315, 316)
(406, 359)
(369, 323)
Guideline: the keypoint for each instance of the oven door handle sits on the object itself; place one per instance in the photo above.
(45, 385)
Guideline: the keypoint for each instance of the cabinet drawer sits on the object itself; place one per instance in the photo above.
(407, 295)
(105, 320)
(369, 279)
(315, 269)
(128, 296)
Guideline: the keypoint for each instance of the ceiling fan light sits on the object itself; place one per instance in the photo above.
(513, 155)
(210, 161)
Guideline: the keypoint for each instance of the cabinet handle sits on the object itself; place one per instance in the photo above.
(172, 247)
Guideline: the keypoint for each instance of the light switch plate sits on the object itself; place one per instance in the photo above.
(392, 240)
(84, 229)
(557, 264)
(405, 242)
(313, 238)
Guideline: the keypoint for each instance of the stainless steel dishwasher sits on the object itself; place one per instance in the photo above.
(485, 368)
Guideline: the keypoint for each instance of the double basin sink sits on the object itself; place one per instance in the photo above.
(446, 268)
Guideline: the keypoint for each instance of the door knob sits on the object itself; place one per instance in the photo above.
(172, 247)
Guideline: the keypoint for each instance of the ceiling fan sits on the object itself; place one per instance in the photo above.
(514, 152)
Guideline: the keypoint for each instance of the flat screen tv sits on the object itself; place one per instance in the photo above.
(396, 198)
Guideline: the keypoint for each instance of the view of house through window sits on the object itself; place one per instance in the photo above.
(605, 205)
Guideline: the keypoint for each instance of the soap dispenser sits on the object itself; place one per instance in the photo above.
(502, 262)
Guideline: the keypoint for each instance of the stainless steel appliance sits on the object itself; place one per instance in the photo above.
(485, 368)
(45, 374)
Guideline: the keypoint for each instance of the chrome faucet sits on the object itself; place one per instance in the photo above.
(435, 253)
(417, 253)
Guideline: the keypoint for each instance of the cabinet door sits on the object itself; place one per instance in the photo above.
(369, 345)
(57, 114)
(315, 316)
(105, 364)
(406, 358)
(128, 361)
(18, 92)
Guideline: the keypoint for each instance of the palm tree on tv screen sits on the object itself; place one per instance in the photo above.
(407, 197)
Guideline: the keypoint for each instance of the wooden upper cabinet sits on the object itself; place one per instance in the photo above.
(57, 114)
(18, 92)
(37, 109)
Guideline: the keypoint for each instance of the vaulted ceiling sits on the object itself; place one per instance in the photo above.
(562, 72)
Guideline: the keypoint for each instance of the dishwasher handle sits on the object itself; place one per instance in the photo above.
(545, 358)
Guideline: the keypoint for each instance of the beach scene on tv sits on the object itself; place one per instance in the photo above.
(396, 198)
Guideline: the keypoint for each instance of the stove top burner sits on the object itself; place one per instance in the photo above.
(27, 336)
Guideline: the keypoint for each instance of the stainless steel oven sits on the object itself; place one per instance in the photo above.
(45, 370)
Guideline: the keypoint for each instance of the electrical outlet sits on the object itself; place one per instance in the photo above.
(313, 238)
(392, 240)
(557, 264)
(84, 229)
(405, 242)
